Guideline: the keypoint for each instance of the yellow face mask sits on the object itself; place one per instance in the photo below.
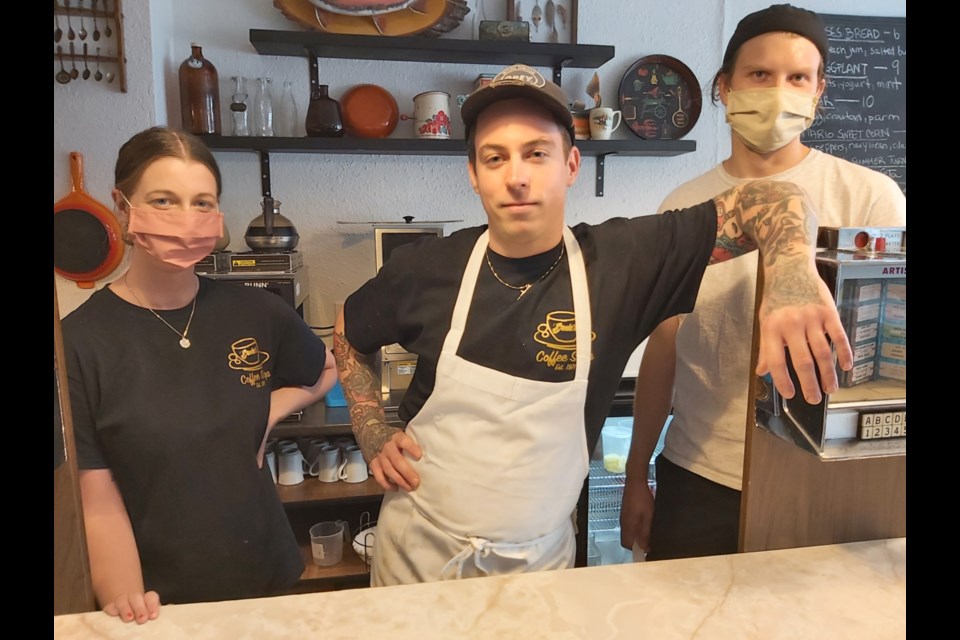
(768, 119)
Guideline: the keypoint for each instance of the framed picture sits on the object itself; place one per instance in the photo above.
(549, 20)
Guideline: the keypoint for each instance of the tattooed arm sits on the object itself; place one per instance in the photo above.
(383, 446)
(797, 311)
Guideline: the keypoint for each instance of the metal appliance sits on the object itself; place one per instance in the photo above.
(397, 365)
(865, 269)
(281, 273)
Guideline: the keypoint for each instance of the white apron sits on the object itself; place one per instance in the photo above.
(504, 460)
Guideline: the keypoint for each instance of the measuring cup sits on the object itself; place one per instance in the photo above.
(326, 541)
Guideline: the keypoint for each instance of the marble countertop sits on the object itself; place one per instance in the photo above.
(856, 590)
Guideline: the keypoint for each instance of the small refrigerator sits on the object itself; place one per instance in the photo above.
(605, 491)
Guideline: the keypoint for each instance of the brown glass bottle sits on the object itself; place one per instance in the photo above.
(323, 114)
(199, 94)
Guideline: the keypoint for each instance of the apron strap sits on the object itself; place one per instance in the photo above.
(477, 549)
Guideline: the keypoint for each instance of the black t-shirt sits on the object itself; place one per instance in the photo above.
(180, 428)
(640, 271)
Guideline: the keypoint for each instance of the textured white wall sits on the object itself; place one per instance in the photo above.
(318, 190)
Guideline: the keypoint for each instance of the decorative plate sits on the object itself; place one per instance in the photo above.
(660, 98)
(426, 17)
(369, 111)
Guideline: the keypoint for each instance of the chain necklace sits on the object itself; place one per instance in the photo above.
(524, 287)
(184, 341)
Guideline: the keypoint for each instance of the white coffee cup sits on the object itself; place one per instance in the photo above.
(271, 458)
(603, 122)
(328, 463)
(311, 451)
(354, 467)
(290, 466)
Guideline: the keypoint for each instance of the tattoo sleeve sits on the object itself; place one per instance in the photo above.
(778, 218)
(361, 388)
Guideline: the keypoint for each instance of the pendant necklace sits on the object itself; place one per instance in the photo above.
(524, 287)
(184, 341)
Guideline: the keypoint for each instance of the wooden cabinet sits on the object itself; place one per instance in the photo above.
(313, 501)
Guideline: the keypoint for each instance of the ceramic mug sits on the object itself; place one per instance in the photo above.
(290, 466)
(328, 464)
(431, 115)
(603, 122)
(271, 459)
(311, 451)
(581, 124)
(354, 467)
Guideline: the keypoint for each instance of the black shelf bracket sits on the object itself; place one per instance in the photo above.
(558, 70)
(265, 173)
(601, 164)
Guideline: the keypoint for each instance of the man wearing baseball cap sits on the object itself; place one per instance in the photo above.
(522, 329)
(698, 364)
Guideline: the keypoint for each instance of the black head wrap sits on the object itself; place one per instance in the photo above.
(779, 17)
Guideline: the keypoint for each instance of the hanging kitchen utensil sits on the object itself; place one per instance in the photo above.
(86, 67)
(96, 28)
(63, 76)
(70, 33)
(74, 72)
(83, 29)
(271, 230)
(87, 242)
(107, 31)
(98, 76)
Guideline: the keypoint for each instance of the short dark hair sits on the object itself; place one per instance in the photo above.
(144, 148)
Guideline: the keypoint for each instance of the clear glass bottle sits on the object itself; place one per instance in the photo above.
(323, 115)
(287, 120)
(199, 93)
(263, 109)
(238, 108)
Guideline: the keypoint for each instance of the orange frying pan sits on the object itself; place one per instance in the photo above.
(87, 243)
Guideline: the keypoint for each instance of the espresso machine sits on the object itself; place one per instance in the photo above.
(865, 269)
(272, 263)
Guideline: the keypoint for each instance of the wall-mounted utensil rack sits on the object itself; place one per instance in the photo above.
(88, 36)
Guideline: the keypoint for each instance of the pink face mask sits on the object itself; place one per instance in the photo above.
(179, 238)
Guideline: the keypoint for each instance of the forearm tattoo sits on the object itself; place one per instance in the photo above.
(361, 388)
(776, 217)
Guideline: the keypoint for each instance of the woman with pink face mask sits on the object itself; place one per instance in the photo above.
(175, 382)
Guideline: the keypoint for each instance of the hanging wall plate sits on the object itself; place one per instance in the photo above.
(87, 242)
(426, 17)
(659, 98)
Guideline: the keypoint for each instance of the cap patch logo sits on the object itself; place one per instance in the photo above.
(519, 74)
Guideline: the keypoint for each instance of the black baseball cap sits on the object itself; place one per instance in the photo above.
(519, 81)
(779, 17)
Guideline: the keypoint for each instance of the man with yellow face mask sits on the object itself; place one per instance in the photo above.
(699, 364)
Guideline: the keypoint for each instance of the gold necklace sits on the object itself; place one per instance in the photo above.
(184, 341)
(524, 287)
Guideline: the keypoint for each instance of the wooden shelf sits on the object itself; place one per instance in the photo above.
(312, 490)
(426, 147)
(307, 44)
(313, 45)
(350, 567)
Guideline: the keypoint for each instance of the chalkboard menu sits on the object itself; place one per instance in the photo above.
(863, 111)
